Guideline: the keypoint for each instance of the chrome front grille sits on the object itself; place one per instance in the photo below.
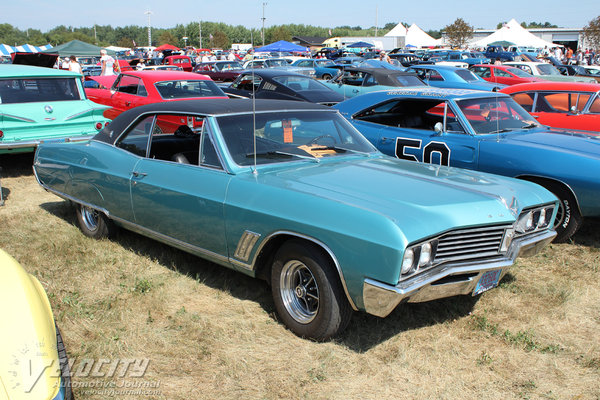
(471, 243)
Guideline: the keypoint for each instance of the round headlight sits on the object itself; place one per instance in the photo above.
(407, 261)
(425, 256)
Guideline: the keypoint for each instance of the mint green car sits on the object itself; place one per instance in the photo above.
(290, 192)
(40, 104)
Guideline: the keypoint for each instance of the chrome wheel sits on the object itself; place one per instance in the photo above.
(299, 291)
(89, 218)
(560, 214)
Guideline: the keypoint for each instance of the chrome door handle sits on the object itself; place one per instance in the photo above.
(138, 174)
(386, 139)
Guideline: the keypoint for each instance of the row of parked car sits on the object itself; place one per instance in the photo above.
(344, 206)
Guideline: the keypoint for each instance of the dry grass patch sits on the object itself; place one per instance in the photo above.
(210, 332)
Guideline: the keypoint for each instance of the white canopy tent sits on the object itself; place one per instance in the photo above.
(413, 36)
(513, 32)
(417, 37)
(398, 30)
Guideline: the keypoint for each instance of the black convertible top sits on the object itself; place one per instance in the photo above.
(201, 107)
(383, 76)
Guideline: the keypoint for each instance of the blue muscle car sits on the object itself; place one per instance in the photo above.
(485, 132)
(292, 193)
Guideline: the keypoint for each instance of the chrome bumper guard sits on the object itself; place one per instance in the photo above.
(447, 280)
(33, 143)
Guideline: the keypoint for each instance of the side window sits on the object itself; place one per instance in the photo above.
(595, 107)
(131, 85)
(245, 82)
(561, 102)
(176, 137)
(136, 139)
(305, 64)
(369, 80)
(526, 68)
(433, 75)
(501, 73)
(208, 153)
(525, 100)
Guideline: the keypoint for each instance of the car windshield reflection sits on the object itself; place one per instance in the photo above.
(495, 115)
(286, 136)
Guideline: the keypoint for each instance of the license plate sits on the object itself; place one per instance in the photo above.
(488, 281)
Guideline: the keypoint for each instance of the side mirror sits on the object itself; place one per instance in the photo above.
(438, 128)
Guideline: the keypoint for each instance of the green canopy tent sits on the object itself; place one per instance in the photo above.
(77, 48)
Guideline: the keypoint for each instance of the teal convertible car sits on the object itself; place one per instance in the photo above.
(292, 193)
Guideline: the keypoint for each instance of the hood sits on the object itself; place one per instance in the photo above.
(421, 199)
(29, 367)
(558, 140)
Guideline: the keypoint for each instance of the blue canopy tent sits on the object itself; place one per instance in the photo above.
(360, 44)
(5, 49)
(281, 45)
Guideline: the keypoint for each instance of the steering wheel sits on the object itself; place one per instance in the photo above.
(316, 140)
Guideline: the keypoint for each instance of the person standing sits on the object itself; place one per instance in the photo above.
(384, 57)
(74, 65)
(107, 62)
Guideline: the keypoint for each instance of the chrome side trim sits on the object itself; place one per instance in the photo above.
(190, 248)
(245, 245)
(79, 114)
(252, 266)
(16, 117)
(34, 143)
(381, 299)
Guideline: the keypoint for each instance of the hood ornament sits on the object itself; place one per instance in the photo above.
(48, 109)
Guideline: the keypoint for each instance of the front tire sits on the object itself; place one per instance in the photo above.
(307, 292)
(93, 223)
(568, 218)
(63, 360)
(326, 77)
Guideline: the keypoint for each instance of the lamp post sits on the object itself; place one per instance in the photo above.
(263, 24)
(149, 31)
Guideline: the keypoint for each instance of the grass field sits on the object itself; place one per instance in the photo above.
(211, 333)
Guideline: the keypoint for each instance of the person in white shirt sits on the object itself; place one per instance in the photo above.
(108, 63)
(231, 56)
(74, 65)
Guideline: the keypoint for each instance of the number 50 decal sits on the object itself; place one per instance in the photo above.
(429, 150)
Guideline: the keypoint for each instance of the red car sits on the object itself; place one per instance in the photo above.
(135, 88)
(568, 105)
(503, 74)
(184, 62)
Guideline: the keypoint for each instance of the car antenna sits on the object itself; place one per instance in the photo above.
(255, 172)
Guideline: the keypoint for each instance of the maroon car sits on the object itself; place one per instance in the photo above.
(220, 71)
(503, 74)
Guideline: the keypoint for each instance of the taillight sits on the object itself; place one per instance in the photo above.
(106, 124)
(1, 134)
(98, 125)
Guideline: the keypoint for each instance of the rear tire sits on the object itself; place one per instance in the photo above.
(307, 292)
(93, 223)
(326, 77)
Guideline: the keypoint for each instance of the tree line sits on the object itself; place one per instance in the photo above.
(214, 34)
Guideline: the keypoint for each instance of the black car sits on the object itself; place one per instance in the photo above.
(282, 85)
(219, 71)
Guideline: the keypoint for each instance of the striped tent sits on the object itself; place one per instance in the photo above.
(6, 50)
(44, 47)
(27, 48)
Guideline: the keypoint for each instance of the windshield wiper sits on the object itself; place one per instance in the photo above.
(504, 130)
(278, 153)
(529, 126)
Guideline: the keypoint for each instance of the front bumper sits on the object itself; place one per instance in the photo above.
(447, 280)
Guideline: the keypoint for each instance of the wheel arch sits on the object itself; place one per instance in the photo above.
(548, 182)
(266, 253)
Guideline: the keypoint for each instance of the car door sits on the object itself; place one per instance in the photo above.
(405, 129)
(555, 108)
(128, 91)
(180, 196)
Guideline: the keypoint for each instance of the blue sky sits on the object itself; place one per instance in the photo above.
(428, 14)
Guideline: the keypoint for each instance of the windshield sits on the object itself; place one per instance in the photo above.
(519, 72)
(547, 69)
(298, 83)
(495, 115)
(467, 75)
(286, 136)
(277, 63)
(188, 89)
